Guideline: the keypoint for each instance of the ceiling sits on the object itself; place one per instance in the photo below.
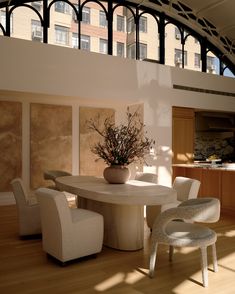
(214, 19)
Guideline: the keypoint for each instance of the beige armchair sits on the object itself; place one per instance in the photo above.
(186, 189)
(28, 209)
(68, 233)
(182, 234)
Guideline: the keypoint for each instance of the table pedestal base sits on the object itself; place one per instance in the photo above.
(123, 224)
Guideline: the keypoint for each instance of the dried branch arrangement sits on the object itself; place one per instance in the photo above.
(122, 144)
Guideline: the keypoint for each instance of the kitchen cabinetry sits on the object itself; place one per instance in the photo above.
(228, 190)
(182, 134)
(215, 182)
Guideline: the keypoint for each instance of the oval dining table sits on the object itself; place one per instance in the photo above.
(122, 206)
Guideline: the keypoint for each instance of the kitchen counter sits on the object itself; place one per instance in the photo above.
(217, 180)
(223, 166)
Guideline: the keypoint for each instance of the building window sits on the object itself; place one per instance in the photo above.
(62, 7)
(36, 29)
(143, 51)
(37, 5)
(143, 24)
(75, 40)
(85, 42)
(131, 51)
(74, 16)
(61, 35)
(3, 20)
(177, 33)
(86, 15)
(103, 20)
(130, 25)
(103, 46)
(210, 61)
(120, 23)
(179, 59)
(120, 49)
(197, 59)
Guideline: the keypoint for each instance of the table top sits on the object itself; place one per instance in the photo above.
(131, 193)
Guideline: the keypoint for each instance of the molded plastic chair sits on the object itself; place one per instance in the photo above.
(186, 189)
(68, 233)
(28, 210)
(178, 233)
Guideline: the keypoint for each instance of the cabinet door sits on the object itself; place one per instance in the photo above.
(211, 183)
(195, 173)
(182, 134)
(227, 191)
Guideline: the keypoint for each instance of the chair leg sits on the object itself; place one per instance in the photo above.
(171, 252)
(152, 262)
(215, 264)
(204, 266)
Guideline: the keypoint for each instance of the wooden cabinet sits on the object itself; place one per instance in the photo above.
(182, 134)
(228, 191)
(211, 183)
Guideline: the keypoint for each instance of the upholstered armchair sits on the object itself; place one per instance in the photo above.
(186, 189)
(68, 233)
(28, 209)
(167, 230)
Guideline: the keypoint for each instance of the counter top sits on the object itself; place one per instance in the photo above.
(223, 166)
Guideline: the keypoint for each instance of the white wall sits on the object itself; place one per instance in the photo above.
(72, 77)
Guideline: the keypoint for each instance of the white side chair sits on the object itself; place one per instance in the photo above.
(68, 233)
(186, 189)
(182, 234)
(53, 174)
(27, 208)
(146, 177)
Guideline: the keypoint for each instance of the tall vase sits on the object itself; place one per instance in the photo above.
(116, 174)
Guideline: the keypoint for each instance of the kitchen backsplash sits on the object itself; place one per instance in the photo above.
(220, 143)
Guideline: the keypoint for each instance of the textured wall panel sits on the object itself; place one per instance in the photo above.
(50, 140)
(10, 143)
(88, 164)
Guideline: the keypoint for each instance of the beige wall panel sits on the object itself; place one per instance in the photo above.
(10, 143)
(50, 140)
(88, 164)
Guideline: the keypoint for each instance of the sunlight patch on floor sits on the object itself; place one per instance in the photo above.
(128, 278)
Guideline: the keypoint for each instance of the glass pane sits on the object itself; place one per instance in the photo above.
(228, 73)
(149, 38)
(212, 63)
(193, 54)
(173, 47)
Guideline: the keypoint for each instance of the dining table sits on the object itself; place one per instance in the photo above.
(122, 206)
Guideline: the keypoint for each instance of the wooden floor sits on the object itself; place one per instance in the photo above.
(25, 268)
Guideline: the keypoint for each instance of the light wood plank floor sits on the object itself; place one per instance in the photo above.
(25, 268)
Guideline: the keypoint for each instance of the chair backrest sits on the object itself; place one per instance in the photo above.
(146, 177)
(54, 208)
(186, 188)
(53, 174)
(205, 210)
(20, 193)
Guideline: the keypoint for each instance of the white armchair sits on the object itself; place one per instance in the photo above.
(181, 234)
(186, 189)
(28, 210)
(68, 233)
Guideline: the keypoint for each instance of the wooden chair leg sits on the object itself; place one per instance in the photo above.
(204, 266)
(215, 264)
(152, 259)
